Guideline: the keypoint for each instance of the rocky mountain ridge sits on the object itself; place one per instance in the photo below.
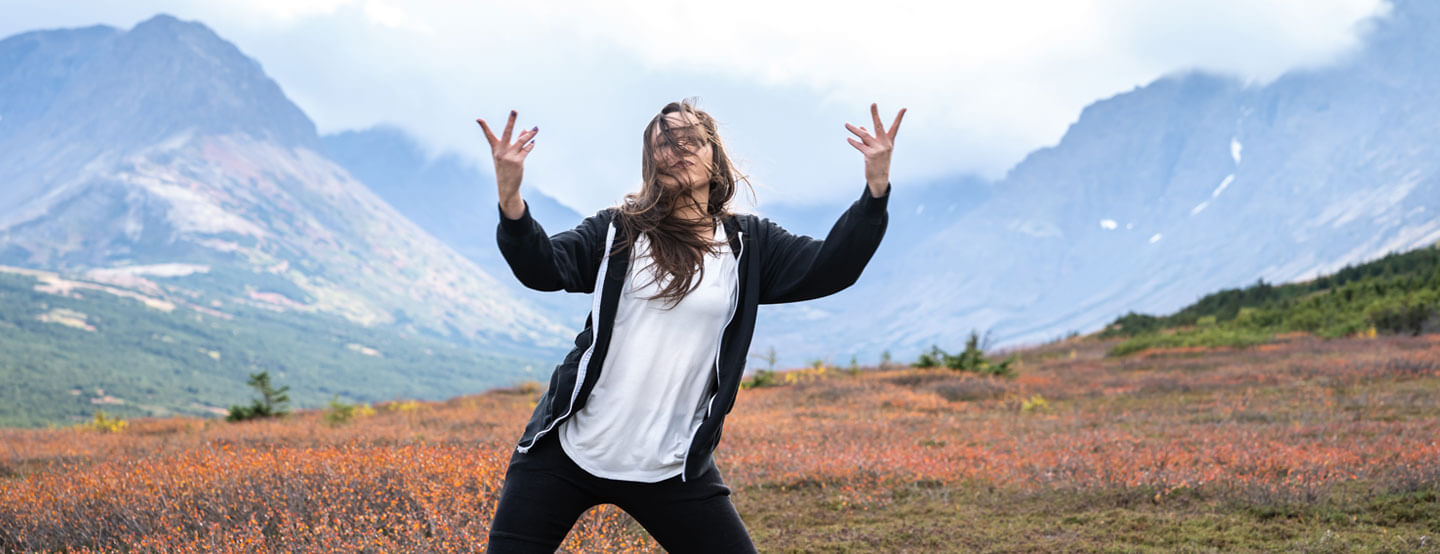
(1159, 195)
(164, 144)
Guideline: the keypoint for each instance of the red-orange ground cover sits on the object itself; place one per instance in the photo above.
(1287, 421)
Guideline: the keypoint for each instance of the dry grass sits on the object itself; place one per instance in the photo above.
(1306, 445)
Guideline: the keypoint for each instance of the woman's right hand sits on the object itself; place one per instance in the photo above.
(509, 164)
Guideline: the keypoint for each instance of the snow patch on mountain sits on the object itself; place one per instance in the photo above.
(1224, 183)
(157, 270)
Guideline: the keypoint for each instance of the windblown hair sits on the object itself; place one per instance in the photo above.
(677, 246)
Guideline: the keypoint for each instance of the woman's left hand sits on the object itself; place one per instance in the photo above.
(877, 148)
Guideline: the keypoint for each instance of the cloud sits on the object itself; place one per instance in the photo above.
(390, 15)
(288, 10)
(986, 82)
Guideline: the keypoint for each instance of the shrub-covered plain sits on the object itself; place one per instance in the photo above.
(1298, 445)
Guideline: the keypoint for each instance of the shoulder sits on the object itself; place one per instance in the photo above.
(602, 219)
(761, 230)
(753, 224)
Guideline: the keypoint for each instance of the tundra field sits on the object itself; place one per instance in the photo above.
(1299, 445)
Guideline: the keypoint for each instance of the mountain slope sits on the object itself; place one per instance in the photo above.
(1158, 195)
(72, 346)
(160, 164)
(165, 144)
(454, 202)
(1397, 294)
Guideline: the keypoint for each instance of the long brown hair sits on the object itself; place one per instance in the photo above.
(677, 246)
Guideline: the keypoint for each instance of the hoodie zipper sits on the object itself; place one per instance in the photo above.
(734, 306)
(594, 339)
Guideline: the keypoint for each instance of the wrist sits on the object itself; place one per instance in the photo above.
(512, 206)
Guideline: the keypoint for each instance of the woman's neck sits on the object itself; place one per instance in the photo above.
(696, 211)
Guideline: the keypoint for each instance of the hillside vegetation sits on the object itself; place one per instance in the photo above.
(1309, 445)
(1397, 294)
(69, 349)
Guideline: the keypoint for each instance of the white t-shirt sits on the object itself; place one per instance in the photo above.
(651, 394)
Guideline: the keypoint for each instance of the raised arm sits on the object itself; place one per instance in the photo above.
(566, 261)
(509, 163)
(877, 149)
(798, 267)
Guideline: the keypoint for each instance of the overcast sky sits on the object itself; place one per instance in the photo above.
(985, 82)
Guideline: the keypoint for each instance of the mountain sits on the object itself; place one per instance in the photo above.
(454, 202)
(164, 162)
(1153, 197)
(166, 144)
(73, 345)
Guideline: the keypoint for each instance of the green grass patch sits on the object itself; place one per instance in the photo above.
(1210, 337)
(930, 517)
(1397, 294)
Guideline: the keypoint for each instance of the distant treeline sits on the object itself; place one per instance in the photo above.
(1397, 294)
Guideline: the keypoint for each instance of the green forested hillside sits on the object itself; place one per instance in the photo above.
(64, 356)
(1399, 293)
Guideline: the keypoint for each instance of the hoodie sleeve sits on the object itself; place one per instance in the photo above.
(566, 261)
(797, 267)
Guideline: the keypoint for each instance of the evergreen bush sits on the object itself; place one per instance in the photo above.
(270, 404)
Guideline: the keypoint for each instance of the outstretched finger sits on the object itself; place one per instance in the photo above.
(860, 132)
(896, 125)
(526, 135)
(489, 136)
(509, 126)
(875, 114)
(858, 145)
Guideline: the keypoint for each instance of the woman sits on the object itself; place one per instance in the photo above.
(634, 412)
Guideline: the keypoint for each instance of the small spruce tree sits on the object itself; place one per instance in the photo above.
(931, 358)
(270, 404)
(972, 359)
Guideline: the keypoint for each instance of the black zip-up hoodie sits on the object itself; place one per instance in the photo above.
(774, 267)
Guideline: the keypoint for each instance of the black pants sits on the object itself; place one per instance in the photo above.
(545, 493)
